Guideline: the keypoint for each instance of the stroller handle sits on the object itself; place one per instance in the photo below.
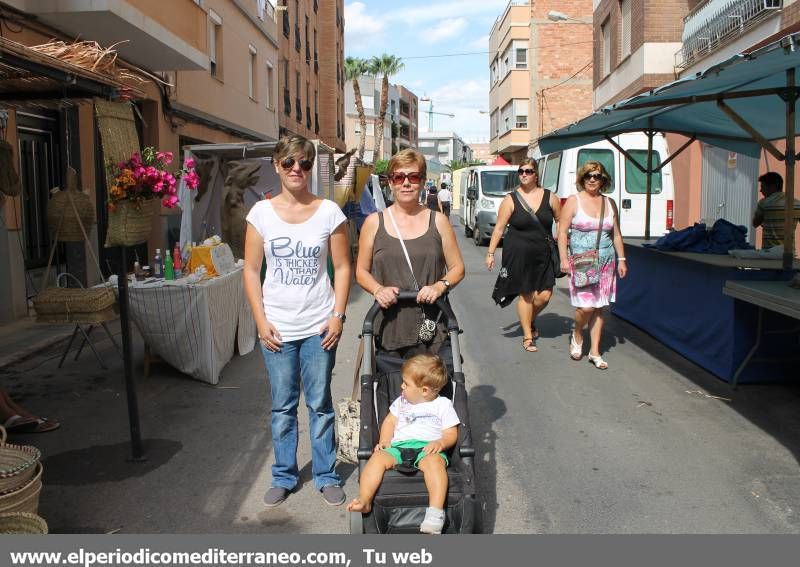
(409, 296)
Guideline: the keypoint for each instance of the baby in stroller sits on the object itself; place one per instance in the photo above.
(420, 426)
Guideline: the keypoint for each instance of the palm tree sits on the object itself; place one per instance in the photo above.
(387, 65)
(354, 68)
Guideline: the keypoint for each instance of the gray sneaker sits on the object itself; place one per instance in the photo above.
(333, 495)
(275, 496)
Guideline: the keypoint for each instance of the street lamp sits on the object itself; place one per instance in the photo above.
(556, 16)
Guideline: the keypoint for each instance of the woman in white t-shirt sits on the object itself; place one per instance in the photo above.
(299, 314)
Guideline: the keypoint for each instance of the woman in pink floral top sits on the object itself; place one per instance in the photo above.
(580, 218)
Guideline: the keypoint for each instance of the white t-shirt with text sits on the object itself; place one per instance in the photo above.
(298, 295)
(424, 421)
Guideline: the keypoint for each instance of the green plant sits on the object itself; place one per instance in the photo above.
(381, 166)
(386, 65)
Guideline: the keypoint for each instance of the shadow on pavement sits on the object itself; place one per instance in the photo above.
(485, 408)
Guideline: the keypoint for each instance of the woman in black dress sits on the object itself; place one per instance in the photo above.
(527, 270)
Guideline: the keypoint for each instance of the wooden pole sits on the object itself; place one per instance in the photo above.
(788, 220)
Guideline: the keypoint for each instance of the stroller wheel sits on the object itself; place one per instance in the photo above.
(356, 523)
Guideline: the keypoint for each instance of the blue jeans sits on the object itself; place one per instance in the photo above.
(303, 361)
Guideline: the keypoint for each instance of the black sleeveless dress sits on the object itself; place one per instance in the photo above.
(526, 265)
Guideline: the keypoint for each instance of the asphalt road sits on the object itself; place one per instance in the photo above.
(639, 448)
(644, 447)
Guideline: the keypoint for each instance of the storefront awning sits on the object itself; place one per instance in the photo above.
(29, 76)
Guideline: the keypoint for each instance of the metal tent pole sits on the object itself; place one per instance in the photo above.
(137, 453)
(788, 220)
(648, 199)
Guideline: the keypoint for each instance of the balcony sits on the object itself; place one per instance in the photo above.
(297, 44)
(286, 27)
(316, 123)
(287, 103)
(718, 23)
(172, 37)
(308, 117)
(308, 55)
(299, 109)
(316, 6)
(316, 63)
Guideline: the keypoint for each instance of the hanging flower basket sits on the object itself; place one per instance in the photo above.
(140, 185)
(131, 222)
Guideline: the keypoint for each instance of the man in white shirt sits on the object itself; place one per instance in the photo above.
(445, 198)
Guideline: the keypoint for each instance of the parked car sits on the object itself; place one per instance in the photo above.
(485, 188)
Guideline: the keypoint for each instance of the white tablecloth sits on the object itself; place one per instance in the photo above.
(193, 327)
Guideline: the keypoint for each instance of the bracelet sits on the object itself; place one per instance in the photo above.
(380, 287)
(621, 259)
(490, 253)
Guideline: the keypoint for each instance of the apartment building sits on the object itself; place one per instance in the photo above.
(481, 152)
(311, 70)
(645, 43)
(444, 147)
(540, 62)
(400, 129)
(213, 66)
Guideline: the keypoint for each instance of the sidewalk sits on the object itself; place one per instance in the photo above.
(25, 337)
(208, 448)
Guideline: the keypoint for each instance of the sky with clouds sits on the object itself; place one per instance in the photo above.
(423, 33)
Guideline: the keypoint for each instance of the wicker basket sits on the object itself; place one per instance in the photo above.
(73, 301)
(17, 463)
(59, 205)
(25, 498)
(131, 222)
(22, 523)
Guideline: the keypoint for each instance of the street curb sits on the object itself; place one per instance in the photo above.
(50, 342)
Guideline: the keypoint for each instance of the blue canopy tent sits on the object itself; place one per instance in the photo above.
(741, 105)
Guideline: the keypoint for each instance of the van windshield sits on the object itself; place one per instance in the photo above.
(498, 183)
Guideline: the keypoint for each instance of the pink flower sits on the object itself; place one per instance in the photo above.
(192, 180)
(189, 163)
(158, 187)
(165, 157)
(170, 201)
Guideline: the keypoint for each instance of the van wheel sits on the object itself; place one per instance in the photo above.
(467, 231)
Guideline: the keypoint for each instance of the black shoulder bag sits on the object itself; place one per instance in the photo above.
(555, 259)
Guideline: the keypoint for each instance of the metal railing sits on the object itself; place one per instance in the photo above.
(717, 23)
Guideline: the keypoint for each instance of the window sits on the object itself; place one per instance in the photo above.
(605, 62)
(251, 73)
(368, 155)
(426, 143)
(520, 54)
(625, 29)
(552, 168)
(369, 103)
(521, 114)
(215, 43)
(370, 129)
(269, 86)
(605, 157)
(635, 180)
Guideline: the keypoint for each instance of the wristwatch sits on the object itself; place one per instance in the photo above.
(446, 283)
(341, 316)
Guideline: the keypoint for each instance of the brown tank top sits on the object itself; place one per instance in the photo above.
(398, 327)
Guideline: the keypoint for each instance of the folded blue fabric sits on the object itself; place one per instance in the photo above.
(723, 236)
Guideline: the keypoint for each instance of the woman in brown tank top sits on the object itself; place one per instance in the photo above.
(382, 270)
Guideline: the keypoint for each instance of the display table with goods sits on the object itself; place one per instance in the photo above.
(677, 297)
(193, 326)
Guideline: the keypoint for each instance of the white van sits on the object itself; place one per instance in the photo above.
(485, 188)
(629, 185)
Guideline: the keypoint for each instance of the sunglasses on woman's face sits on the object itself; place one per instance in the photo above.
(288, 163)
(593, 177)
(521, 171)
(399, 178)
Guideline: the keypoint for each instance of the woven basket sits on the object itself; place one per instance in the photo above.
(70, 228)
(22, 523)
(70, 304)
(24, 498)
(131, 222)
(17, 463)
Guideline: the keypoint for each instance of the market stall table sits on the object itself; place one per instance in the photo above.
(194, 326)
(677, 297)
(774, 296)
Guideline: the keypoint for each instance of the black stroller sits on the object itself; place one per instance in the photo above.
(399, 505)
